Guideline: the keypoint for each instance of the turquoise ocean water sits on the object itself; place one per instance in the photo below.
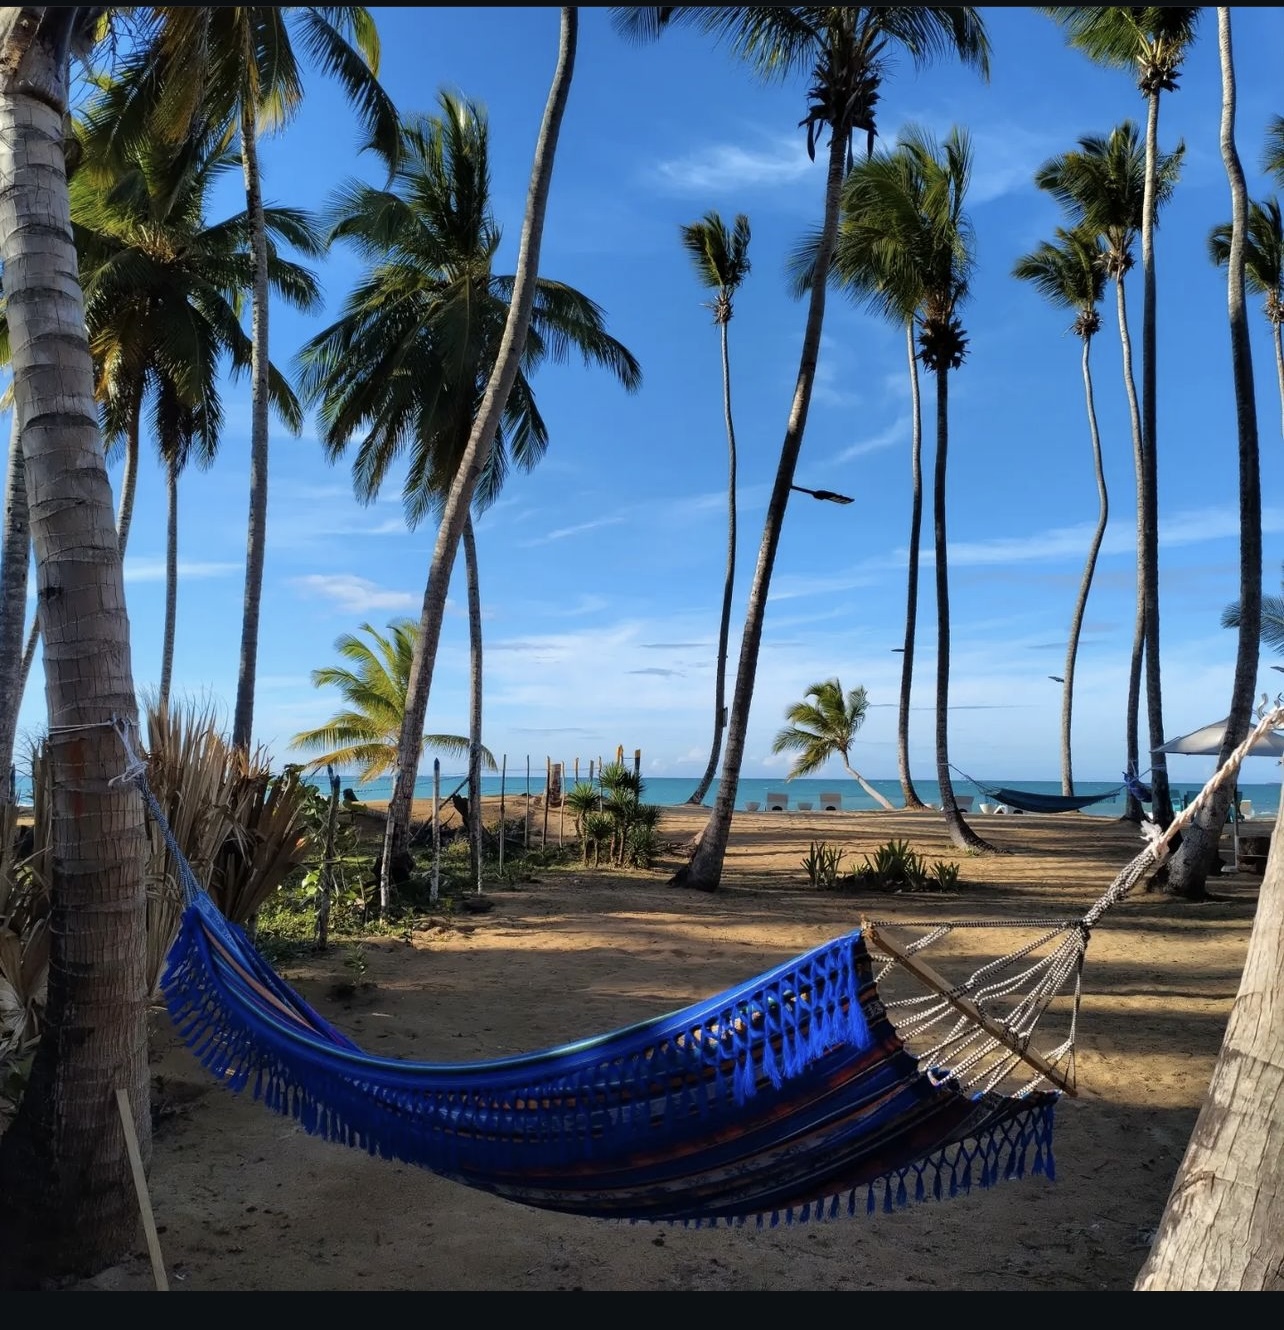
(671, 790)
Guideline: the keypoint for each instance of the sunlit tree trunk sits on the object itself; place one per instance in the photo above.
(910, 794)
(129, 474)
(1188, 870)
(459, 499)
(69, 1201)
(1085, 582)
(15, 561)
(171, 578)
(728, 588)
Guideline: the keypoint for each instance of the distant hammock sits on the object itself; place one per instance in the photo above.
(1031, 802)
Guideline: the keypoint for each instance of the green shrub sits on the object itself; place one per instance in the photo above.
(821, 865)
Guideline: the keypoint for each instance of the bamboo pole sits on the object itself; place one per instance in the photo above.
(436, 828)
(140, 1187)
(526, 831)
(548, 785)
(503, 833)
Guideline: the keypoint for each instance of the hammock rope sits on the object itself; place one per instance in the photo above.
(793, 1096)
(1030, 801)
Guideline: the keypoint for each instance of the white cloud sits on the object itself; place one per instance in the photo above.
(356, 595)
(563, 532)
(720, 166)
(146, 569)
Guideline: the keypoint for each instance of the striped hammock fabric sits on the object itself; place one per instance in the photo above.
(788, 1098)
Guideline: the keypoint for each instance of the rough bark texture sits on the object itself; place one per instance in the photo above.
(705, 869)
(459, 499)
(256, 534)
(69, 1201)
(1188, 872)
(1085, 582)
(961, 834)
(1223, 1226)
(910, 794)
(129, 475)
(728, 589)
(171, 580)
(15, 560)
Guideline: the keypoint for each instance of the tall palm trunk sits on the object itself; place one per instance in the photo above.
(1278, 340)
(15, 560)
(728, 586)
(256, 536)
(705, 868)
(960, 833)
(474, 702)
(1161, 802)
(910, 794)
(1132, 742)
(1085, 582)
(459, 499)
(1188, 868)
(69, 1199)
(129, 472)
(171, 576)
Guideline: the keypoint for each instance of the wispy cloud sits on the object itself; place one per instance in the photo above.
(781, 160)
(356, 595)
(663, 674)
(895, 434)
(153, 570)
(563, 532)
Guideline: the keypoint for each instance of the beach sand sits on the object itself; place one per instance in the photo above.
(245, 1200)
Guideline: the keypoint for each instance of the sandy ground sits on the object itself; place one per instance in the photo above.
(245, 1200)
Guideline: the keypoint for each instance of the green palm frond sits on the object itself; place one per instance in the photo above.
(1263, 248)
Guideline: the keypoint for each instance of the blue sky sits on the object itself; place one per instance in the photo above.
(601, 571)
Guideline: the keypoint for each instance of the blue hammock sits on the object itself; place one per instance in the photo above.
(787, 1098)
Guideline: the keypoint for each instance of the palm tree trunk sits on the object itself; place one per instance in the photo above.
(1161, 807)
(704, 871)
(256, 537)
(474, 702)
(960, 833)
(171, 576)
(1279, 366)
(1132, 742)
(910, 794)
(459, 499)
(877, 796)
(1189, 865)
(728, 586)
(69, 1200)
(129, 473)
(15, 561)
(1085, 583)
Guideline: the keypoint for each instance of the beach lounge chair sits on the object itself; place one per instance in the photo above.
(777, 803)
(804, 805)
(964, 802)
(831, 802)
(752, 805)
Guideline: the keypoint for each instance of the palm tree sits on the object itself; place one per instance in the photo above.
(1272, 628)
(1101, 184)
(1152, 42)
(1188, 867)
(844, 52)
(164, 292)
(15, 562)
(1071, 274)
(69, 1203)
(721, 260)
(471, 463)
(373, 686)
(823, 728)
(237, 65)
(910, 200)
(1263, 269)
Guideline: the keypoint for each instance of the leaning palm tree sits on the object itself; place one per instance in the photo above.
(1101, 185)
(1188, 868)
(1070, 272)
(373, 685)
(69, 1204)
(844, 51)
(1263, 269)
(911, 201)
(236, 66)
(1152, 43)
(721, 260)
(823, 728)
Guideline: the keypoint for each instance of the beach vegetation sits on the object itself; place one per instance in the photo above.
(822, 863)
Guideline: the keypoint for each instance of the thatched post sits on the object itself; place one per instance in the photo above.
(526, 831)
(327, 862)
(436, 829)
(503, 832)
